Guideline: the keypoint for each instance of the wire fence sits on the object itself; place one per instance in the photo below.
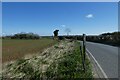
(83, 52)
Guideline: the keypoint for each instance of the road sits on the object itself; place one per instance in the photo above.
(106, 56)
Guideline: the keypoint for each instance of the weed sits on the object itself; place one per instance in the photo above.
(69, 66)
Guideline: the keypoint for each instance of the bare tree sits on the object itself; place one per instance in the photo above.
(67, 30)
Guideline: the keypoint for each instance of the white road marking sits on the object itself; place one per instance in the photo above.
(97, 64)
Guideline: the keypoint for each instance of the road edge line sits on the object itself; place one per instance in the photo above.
(104, 74)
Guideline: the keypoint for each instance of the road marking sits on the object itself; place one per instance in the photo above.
(97, 64)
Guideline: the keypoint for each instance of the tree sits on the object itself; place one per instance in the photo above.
(25, 36)
(56, 32)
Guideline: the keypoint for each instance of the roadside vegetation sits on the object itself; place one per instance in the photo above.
(106, 38)
(70, 66)
(61, 61)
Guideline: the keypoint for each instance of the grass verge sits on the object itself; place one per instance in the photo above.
(67, 66)
(70, 66)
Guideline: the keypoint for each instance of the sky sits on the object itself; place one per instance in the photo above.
(91, 18)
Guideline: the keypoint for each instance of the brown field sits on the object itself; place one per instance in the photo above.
(15, 49)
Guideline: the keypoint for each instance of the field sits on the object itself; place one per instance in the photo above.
(15, 49)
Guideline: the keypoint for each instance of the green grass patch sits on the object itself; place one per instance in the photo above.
(70, 66)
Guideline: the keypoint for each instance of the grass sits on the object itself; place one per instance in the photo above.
(0, 42)
(70, 66)
(13, 49)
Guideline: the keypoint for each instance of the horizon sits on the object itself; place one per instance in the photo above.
(91, 18)
(58, 34)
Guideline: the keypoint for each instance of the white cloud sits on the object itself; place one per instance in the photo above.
(63, 25)
(89, 16)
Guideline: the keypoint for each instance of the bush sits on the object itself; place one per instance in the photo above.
(25, 36)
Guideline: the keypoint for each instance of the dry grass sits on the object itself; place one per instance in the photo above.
(15, 49)
(63, 60)
(36, 66)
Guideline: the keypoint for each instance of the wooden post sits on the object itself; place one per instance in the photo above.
(84, 51)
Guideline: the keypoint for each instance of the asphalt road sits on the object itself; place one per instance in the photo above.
(106, 56)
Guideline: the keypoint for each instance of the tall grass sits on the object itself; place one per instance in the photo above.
(70, 66)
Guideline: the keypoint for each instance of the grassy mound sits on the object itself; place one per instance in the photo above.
(61, 61)
(69, 66)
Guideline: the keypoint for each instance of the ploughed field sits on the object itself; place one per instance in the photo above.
(13, 49)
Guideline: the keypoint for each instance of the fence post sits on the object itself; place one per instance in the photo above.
(84, 51)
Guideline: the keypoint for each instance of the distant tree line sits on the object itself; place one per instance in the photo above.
(74, 37)
(106, 38)
(23, 36)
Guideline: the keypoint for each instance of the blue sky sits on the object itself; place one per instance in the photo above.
(44, 17)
